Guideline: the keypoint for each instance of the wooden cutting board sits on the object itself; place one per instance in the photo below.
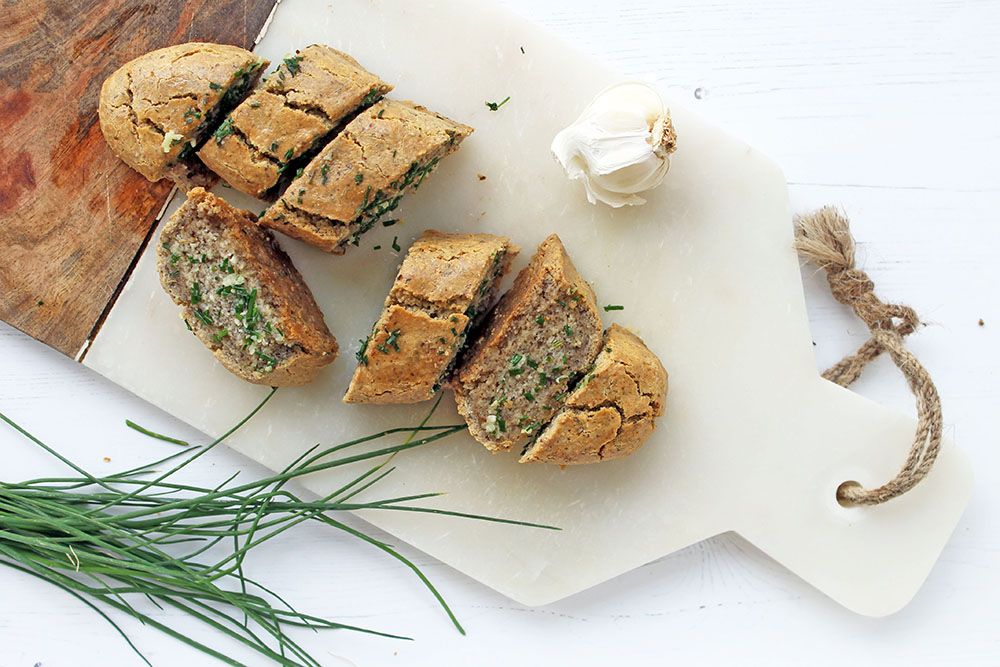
(753, 440)
(73, 217)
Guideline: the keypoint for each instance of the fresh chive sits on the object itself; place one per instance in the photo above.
(81, 530)
(153, 434)
(611, 307)
(540, 319)
(203, 316)
(495, 106)
(395, 244)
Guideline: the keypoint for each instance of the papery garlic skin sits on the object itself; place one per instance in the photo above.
(620, 145)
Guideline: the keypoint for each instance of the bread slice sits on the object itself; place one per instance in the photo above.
(445, 285)
(612, 412)
(157, 109)
(241, 295)
(540, 339)
(308, 97)
(362, 174)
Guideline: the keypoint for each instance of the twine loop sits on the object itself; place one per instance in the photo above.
(824, 239)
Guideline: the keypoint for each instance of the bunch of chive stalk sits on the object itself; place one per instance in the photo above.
(139, 535)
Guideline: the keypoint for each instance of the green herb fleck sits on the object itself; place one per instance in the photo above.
(214, 86)
(540, 319)
(223, 131)
(203, 316)
(495, 106)
(395, 243)
(358, 177)
(568, 330)
(361, 355)
(196, 293)
(529, 396)
(611, 307)
(292, 64)
(393, 339)
(267, 359)
(219, 335)
(372, 97)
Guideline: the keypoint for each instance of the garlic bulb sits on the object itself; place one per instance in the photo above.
(620, 145)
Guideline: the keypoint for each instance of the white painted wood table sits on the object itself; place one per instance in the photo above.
(890, 109)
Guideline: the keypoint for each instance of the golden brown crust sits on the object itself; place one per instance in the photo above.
(303, 101)
(405, 356)
(152, 108)
(444, 280)
(613, 410)
(295, 324)
(548, 322)
(360, 175)
(447, 272)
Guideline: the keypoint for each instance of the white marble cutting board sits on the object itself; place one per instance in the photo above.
(752, 441)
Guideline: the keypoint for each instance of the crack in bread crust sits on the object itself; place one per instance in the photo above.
(626, 379)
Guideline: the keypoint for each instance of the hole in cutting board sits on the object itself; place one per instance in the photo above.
(850, 484)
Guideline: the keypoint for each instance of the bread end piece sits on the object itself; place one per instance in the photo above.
(612, 412)
(155, 110)
(241, 295)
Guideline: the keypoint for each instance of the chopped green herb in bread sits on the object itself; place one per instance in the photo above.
(537, 343)
(155, 111)
(290, 117)
(241, 295)
(444, 287)
(612, 411)
(360, 176)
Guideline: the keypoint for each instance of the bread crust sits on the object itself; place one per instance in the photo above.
(291, 112)
(549, 284)
(612, 412)
(441, 284)
(304, 336)
(360, 176)
(153, 107)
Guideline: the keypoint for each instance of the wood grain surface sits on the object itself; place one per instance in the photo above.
(72, 216)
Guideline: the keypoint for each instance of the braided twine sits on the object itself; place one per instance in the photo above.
(824, 239)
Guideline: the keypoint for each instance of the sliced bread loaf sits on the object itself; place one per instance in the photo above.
(241, 295)
(612, 411)
(445, 285)
(361, 175)
(308, 97)
(157, 109)
(540, 339)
